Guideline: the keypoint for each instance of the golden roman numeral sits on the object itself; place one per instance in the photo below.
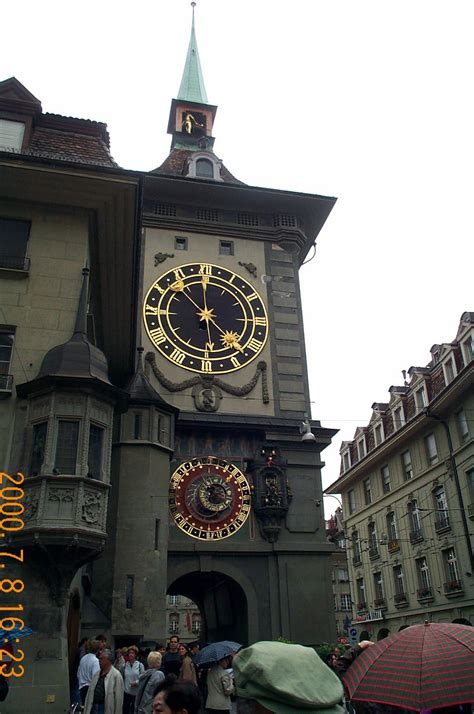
(151, 310)
(177, 356)
(178, 274)
(260, 321)
(157, 287)
(205, 269)
(251, 297)
(206, 365)
(254, 345)
(235, 361)
(158, 336)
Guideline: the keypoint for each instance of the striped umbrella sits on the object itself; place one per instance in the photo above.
(423, 667)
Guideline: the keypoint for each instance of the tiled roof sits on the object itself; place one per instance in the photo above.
(175, 165)
(69, 146)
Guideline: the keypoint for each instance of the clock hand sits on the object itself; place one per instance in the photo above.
(204, 288)
(229, 338)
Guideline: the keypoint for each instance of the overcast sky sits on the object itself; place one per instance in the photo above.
(370, 101)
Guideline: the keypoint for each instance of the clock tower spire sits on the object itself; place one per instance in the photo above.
(191, 116)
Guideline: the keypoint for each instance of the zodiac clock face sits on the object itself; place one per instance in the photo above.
(209, 498)
(205, 318)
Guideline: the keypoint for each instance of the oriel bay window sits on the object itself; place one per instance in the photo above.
(96, 438)
(66, 446)
(39, 442)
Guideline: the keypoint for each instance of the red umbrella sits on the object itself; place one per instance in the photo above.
(422, 667)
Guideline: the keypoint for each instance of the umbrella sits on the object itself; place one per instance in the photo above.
(15, 634)
(423, 667)
(213, 653)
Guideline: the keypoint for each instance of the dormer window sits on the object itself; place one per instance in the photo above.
(11, 135)
(378, 434)
(361, 448)
(398, 417)
(346, 461)
(203, 164)
(420, 398)
(449, 370)
(204, 168)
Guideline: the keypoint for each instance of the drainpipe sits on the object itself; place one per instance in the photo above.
(454, 469)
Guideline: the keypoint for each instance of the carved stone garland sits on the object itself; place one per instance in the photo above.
(207, 388)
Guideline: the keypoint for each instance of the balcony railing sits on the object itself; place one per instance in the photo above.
(442, 522)
(424, 593)
(453, 587)
(416, 536)
(393, 545)
(401, 599)
(14, 262)
(379, 602)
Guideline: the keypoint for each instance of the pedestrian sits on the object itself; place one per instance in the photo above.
(287, 679)
(88, 667)
(147, 684)
(187, 673)
(171, 663)
(105, 694)
(220, 687)
(131, 674)
(119, 662)
(173, 697)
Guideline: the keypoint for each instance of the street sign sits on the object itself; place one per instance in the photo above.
(352, 635)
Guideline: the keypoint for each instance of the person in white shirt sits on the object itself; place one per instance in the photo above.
(131, 674)
(88, 666)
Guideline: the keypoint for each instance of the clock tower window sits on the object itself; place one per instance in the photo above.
(226, 247)
(180, 243)
(204, 168)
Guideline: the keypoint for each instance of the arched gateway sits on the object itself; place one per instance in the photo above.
(223, 603)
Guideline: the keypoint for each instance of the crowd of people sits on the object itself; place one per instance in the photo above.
(263, 678)
(125, 682)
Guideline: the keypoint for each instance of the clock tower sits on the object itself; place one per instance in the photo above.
(232, 490)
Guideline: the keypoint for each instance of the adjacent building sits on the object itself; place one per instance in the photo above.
(407, 484)
(341, 590)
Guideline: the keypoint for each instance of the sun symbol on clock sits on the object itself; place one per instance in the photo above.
(231, 339)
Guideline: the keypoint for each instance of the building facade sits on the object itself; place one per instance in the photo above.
(407, 483)
(341, 589)
(155, 393)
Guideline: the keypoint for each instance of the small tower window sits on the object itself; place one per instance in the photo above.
(137, 426)
(204, 168)
(180, 243)
(226, 247)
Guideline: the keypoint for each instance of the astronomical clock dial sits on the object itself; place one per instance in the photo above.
(205, 318)
(209, 498)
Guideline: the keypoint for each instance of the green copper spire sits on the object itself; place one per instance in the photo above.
(192, 83)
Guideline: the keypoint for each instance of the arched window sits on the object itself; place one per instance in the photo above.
(204, 168)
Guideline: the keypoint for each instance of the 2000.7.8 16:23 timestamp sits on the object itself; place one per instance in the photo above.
(11, 510)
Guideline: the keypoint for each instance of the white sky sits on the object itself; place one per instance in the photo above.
(367, 100)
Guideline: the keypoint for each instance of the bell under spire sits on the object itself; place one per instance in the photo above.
(192, 87)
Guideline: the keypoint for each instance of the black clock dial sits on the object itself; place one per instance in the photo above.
(205, 318)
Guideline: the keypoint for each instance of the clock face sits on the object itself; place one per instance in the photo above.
(205, 318)
(209, 498)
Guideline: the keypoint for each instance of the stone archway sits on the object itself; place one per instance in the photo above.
(222, 602)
